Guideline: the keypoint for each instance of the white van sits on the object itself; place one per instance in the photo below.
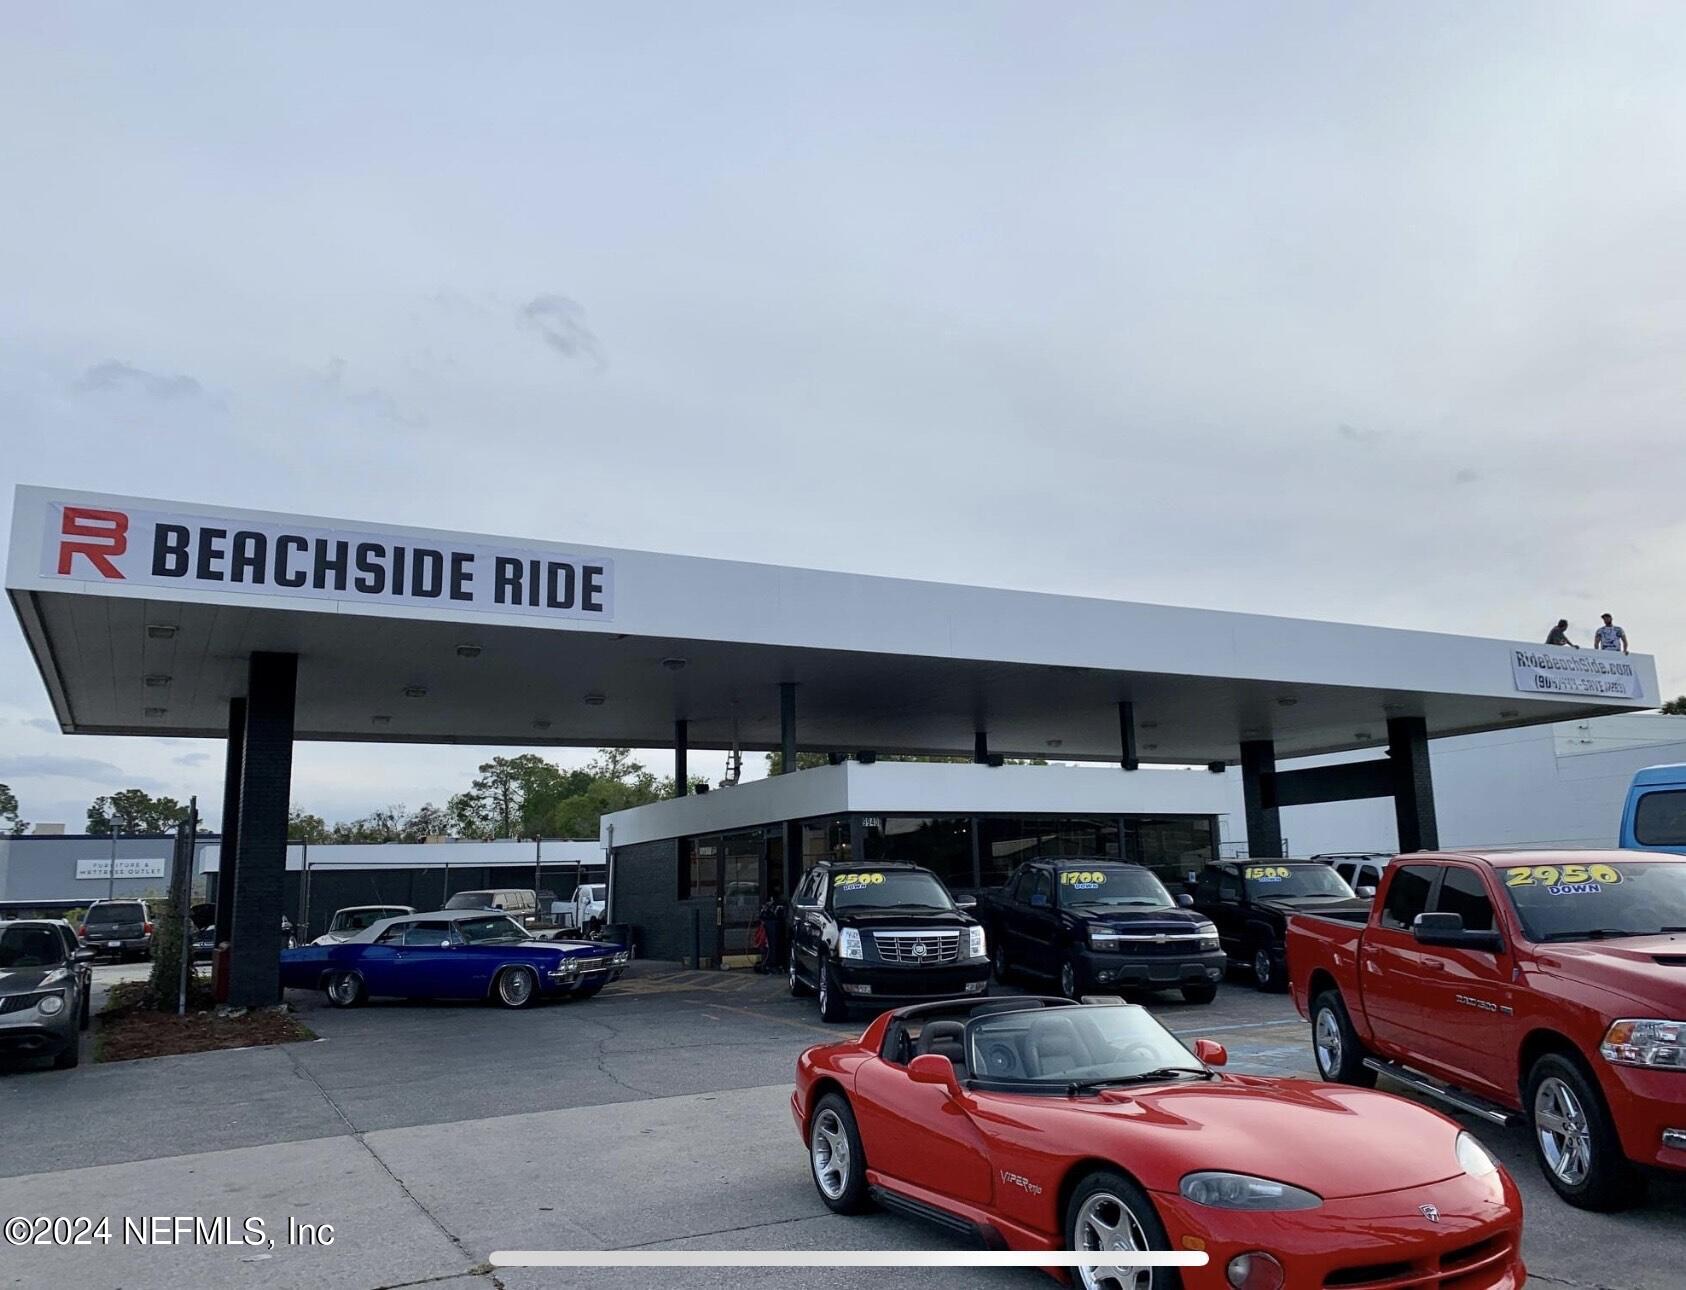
(518, 902)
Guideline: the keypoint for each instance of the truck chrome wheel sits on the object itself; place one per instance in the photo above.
(1068, 980)
(830, 1150)
(1262, 969)
(1326, 1040)
(1106, 1224)
(1564, 1132)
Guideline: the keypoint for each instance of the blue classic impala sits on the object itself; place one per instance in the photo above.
(452, 954)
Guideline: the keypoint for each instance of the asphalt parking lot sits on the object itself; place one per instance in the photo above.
(652, 1116)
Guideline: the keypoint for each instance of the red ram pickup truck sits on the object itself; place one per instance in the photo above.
(1546, 988)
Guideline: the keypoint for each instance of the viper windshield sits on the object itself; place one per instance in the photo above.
(1597, 901)
(1295, 882)
(1112, 886)
(1087, 1046)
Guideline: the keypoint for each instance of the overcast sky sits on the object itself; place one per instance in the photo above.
(1365, 312)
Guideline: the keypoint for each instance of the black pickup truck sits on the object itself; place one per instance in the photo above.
(1252, 900)
(882, 934)
(1100, 925)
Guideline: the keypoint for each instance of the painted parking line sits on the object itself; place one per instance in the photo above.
(1241, 1025)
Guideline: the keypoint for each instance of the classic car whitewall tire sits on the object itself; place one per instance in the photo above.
(345, 990)
(516, 987)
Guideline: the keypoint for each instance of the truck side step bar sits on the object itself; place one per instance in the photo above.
(1468, 1103)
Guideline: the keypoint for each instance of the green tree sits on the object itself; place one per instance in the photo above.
(804, 761)
(492, 807)
(133, 811)
(9, 819)
(1676, 707)
(304, 827)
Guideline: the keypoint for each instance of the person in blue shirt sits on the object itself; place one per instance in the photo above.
(1610, 636)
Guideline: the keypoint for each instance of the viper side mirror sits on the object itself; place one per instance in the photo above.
(934, 1068)
(1211, 1052)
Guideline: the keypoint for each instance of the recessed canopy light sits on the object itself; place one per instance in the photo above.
(156, 680)
(674, 664)
(415, 692)
(1362, 734)
(541, 724)
(468, 651)
(1150, 725)
(1055, 743)
(1252, 733)
(155, 712)
(1287, 701)
(161, 631)
(381, 719)
(1150, 747)
(1393, 707)
(595, 699)
(1508, 713)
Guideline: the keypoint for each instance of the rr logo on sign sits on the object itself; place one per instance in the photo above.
(97, 536)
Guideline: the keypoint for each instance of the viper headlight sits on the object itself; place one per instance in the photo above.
(978, 949)
(849, 944)
(1243, 1191)
(1473, 1158)
(1638, 1042)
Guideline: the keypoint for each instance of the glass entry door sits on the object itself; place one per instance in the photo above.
(740, 893)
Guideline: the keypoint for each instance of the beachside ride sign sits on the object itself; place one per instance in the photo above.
(1602, 674)
(275, 557)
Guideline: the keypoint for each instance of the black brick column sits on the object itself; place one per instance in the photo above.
(1264, 821)
(681, 746)
(1127, 735)
(1413, 785)
(230, 818)
(265, 786)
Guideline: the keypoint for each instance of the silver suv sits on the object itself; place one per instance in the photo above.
(44, 984)
(119, 928)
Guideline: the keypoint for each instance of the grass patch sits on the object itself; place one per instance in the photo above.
(129, 1031)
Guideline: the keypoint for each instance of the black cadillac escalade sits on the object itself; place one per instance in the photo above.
(881, 934)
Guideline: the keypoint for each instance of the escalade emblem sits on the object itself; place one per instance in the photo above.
(919, 949)
(1429, 1212)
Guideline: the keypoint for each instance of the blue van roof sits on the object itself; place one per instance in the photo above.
(1671, 774)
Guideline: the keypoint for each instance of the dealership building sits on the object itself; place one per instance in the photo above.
(150, 617)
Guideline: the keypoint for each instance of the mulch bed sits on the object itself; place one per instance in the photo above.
(128, 1031)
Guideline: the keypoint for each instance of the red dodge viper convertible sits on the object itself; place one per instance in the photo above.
(1040, 1124)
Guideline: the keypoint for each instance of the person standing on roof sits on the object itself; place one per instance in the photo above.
(1559, 635)
(1610, 636)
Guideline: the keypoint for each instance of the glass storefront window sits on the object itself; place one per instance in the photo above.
(825, 840)
(1008, 840)
(1174, 847)
(942, 844)
(699, 868)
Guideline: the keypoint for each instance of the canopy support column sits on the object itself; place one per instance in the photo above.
(254, 970)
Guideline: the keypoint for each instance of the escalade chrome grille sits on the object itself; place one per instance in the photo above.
(917, 947)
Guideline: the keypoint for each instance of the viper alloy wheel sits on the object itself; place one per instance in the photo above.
(345, 990)
(1110, 1215)
(836, 1157)
(517, 987)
